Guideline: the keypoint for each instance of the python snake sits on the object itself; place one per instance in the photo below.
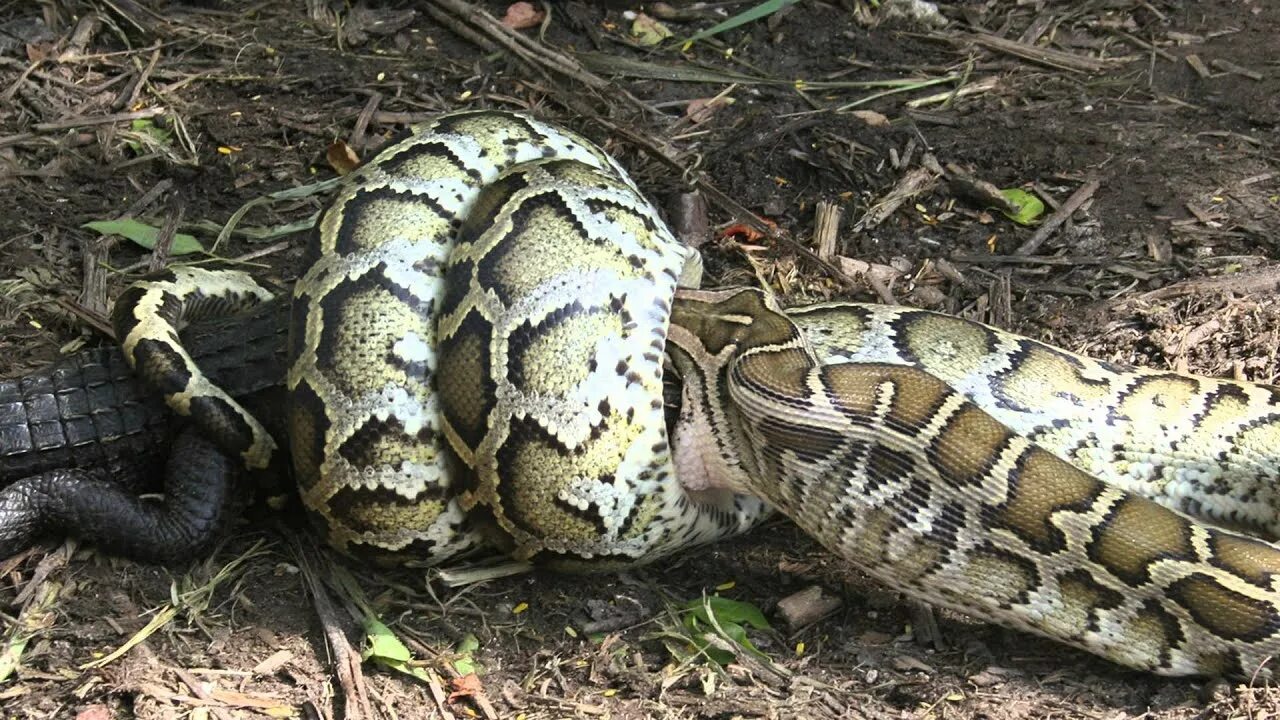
(476, 357)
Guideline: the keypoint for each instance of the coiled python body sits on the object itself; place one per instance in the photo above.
(929, 451)
(534, 421)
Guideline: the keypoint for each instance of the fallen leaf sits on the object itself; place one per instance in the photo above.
(465, 687)
(871, 117)
(986, 678)
(341, 157)
(523, 15)
(794, 567)
(744, 233)
(1030, 207)
(873, 637)
(700, 110)
(466, 664)
(39, 52)
(649, 32)
(145, 235)
(273, 663)
(884, 274)
(906, 663)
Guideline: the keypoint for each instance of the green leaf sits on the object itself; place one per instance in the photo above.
(715, 654)
(466, 664)
(726, 610)
(738, 634)
(148, 127)
(764, 9)
(1030, 207)
(384, 646)
(145, 235)
(704, 615)
(385, 649)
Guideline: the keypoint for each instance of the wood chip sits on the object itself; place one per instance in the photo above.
(1266, 280)
(1195, 336)
(807, 607)
(877, 277)
(273, 663)
(912, 183)
(979, 191)
(1234, 69)
(1201, 214)
(689, 219)
(826, 228)
(924, 625)
(1198, 65)
(1159, 246)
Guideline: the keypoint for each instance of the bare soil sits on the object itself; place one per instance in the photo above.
(155, 109)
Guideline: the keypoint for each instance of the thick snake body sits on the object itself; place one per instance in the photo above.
(477, 358)
(539, 257)
(928, 451)
(1201, 446)
(551, 338)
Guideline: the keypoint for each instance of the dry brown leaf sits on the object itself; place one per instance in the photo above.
(464, 687)
(702, 109)
(871, 117)
(39, 52)
(273, 663)
(886, 274)
(906, 663)
(523, 15)
(648, 31)
(341, 157)
(259, 701)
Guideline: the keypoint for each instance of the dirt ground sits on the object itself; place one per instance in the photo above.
(168, 112)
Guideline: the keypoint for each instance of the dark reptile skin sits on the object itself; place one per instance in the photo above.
(198, 497)
(79, 441)
(89, 412)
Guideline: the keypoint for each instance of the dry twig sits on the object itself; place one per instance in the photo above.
(547, 61)
(1037, 54)
(1054, 221)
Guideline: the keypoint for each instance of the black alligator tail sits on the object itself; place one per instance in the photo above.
(81, 440)
(198, 497)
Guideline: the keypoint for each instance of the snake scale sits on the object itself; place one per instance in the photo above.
(488, 319)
